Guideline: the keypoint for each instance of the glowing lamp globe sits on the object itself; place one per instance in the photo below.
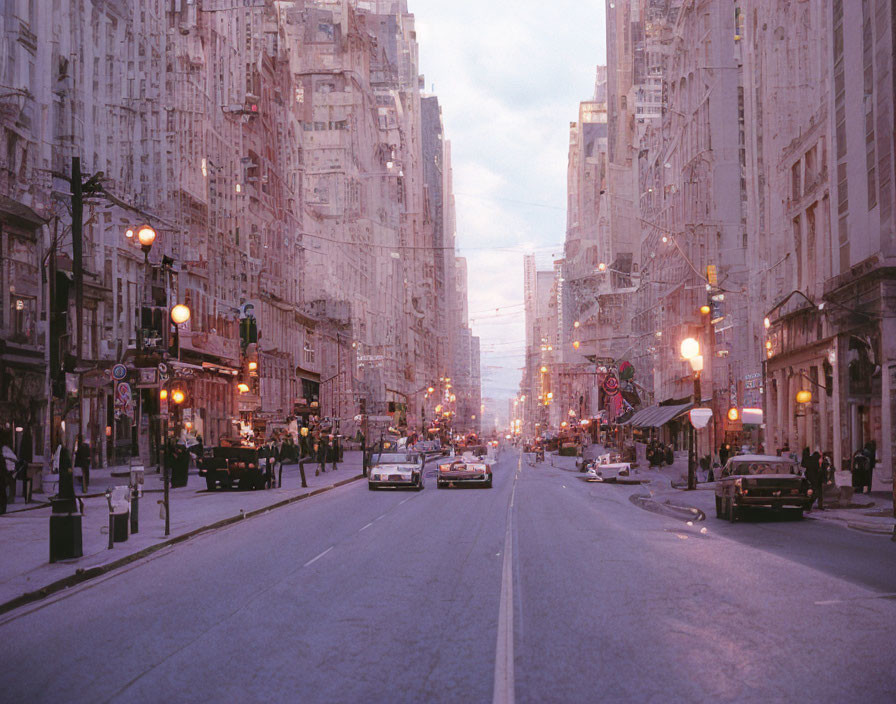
(733, 414)
(180, 314)
(690, 348)
(804, 396)
(242, 388)
(576, 344)
(146, 236)
(705, 310)
(163, 394)
(178, 396)
(253, 366)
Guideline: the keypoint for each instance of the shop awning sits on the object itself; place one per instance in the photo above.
(657, 416)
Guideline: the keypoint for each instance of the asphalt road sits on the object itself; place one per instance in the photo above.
(542, 589)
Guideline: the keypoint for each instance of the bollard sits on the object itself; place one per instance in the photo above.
(135, 510)
(111, 519)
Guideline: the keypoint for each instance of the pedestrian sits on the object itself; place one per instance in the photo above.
(814, 477)
(723, 454)
(670, 455)
(322, 450)
(334, 449)
(805, 459)
(870, 451)
(7, 466)
(82, 461)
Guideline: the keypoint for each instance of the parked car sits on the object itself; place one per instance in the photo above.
(467, 470)
(235, 467)
(761, 481)
(396, 470)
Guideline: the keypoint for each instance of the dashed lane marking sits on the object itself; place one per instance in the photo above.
(315, 559)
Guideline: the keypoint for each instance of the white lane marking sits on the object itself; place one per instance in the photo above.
(404, 501)
(504, 676)
(379, 518)
(366, 527)
(315, 559)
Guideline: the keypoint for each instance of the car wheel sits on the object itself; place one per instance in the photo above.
(799, 514)
(440, 485)
(718, 507)
(732, 511)
(210, 483)
(370, 486)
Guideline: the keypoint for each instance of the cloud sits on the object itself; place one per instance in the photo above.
(509, 75)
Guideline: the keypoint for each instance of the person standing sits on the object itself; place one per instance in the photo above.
(334, 449)
(814, 477)
(7, 467)
(870, 451)
(82, 462)
(723, 454)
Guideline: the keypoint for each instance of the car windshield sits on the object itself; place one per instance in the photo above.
(397, 458)
(763, 468)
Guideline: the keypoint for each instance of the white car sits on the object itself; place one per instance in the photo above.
(396, 470)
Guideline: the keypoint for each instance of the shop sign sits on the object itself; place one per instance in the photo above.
(124, 401)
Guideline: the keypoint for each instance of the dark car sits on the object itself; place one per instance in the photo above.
(235, 467)
(761, 481)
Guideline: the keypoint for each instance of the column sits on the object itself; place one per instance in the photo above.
(790, 404)
(771, 415)
(783, 425)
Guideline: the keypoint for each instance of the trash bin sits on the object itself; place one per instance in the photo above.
(65, 531)
(120, 507)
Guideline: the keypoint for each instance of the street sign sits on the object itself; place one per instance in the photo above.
(119, 372)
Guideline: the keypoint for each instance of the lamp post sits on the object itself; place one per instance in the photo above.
(180, 315)
(690, 350)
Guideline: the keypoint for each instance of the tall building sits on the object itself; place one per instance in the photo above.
(301, 199)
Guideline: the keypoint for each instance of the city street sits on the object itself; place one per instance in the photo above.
(359, 596)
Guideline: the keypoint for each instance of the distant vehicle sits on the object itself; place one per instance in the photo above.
(761, 481)
(396, 470)
(468, 470)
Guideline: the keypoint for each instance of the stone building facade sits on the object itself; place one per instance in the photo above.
(278, 151)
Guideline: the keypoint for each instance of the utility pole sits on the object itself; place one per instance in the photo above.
(78, 255)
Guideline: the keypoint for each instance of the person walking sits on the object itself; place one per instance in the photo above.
(322, 449)
(723, 454)
(814, 477)
(82, 462)
(334, 450)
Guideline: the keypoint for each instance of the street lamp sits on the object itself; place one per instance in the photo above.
(146, 236)
(180, 314)
(690, 350)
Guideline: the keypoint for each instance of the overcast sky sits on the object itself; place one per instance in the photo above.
(509, 75)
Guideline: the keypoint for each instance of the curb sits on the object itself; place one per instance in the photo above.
(683, 513)
(83, 575)
(869, 528)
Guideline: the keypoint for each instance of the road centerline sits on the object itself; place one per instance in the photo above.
(503, 692)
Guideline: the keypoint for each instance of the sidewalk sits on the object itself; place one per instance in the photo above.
(667, 485)
(25, 566)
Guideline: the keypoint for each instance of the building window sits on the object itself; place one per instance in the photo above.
(21, 318)
(308, 348)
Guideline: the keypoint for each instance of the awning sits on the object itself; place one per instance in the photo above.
(657, 416)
